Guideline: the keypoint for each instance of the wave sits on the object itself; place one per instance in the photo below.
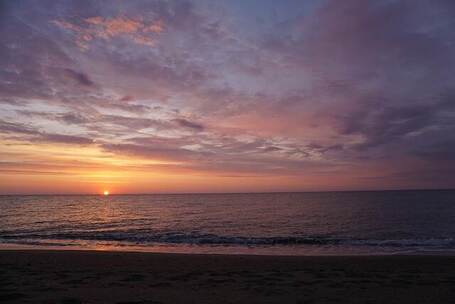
(213, 239)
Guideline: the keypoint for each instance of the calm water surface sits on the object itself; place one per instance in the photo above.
(391, 222)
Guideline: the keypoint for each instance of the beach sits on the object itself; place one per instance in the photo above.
(54, 276)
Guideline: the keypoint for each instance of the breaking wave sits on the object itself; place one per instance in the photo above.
(213, 239)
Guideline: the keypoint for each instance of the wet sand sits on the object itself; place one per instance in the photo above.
(31, 276)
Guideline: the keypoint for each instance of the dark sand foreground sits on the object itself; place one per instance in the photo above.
(113, 277)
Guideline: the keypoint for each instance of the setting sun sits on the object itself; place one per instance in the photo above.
(106, 192)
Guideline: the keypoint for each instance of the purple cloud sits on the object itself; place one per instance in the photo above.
(300, 88)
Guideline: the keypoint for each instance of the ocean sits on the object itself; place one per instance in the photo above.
(316, 223)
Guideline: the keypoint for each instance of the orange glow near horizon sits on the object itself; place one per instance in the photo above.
(40, 168)
(106, 192)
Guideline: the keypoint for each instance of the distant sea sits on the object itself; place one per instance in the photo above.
(324, 223)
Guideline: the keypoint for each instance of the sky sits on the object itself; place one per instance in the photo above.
(226, 96)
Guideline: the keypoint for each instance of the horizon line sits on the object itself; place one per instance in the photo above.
(252, 192)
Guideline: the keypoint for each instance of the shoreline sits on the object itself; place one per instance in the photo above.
(257, 250)
(70, 276)
(272, 251)
(221, 255)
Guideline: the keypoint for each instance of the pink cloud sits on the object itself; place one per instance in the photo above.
(137, 30)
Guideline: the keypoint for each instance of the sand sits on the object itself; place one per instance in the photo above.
(32, 276)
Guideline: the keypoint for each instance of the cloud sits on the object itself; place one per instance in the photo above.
(72, 118)
(381, 85)
(9, 127)
(27, 133)
(132, 124)
(354, 85)
(67, 118)
(25, 71)
(81, 78)
(89, 29)
(189, 124)
(64, 139)
(127, 98)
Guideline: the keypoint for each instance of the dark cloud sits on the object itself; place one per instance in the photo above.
(442, 150)
(189, 124)
(272, 149)
(64, 139)
(68, 118)
(131, 123)
(126, 98)
(9, 127)
(381, 70)
(81, 78)
(382, 125)
(72, 118)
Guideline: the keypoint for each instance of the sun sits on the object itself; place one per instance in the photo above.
(106, 192)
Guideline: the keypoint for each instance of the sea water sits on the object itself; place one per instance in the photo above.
(317, 223)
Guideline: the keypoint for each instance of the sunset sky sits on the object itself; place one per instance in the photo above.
(226, 96)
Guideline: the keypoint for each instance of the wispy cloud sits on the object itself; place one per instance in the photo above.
(89, 29)
(34, 135)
